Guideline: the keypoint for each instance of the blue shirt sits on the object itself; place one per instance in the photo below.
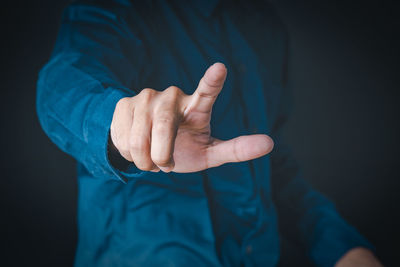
(227, 215)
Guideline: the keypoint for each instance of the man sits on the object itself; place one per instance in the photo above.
(124, 94)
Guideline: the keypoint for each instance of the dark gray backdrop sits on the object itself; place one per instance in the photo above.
(344, 129)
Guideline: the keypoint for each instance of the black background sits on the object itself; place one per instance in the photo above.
(344, 129)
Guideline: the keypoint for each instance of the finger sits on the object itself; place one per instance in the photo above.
(139, 140)
(165, 126)
(242, 148)
(208, 89)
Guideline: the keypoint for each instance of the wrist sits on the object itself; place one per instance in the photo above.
(115, 158)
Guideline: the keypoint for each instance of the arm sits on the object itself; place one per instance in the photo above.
(88, 73)
(86, 108)
(306, 217)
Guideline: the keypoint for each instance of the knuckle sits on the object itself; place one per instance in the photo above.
(173, 89)
(172, 93)
(162, 160)
(207, 95)
(136, 145)
(123, 102)
(166, 112)
(165, 119)
(147, 93)
(144, 165)
(164, 124)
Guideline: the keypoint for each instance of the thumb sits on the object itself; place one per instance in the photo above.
(242, 148)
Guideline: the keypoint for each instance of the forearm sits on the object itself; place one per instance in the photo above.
(75, 111)
(79, 87)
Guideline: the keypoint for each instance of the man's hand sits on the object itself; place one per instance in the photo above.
(358, 257)
(170, 130)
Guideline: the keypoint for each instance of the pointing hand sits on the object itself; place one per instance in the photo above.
(170, 130)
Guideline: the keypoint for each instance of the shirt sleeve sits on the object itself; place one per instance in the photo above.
(306, 217)
(90, 70)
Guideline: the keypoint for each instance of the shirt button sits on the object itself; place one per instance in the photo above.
(249, 249)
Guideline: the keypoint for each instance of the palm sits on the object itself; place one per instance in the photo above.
(195, 149)
(191, 143)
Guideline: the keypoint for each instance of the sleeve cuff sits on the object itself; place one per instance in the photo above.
(97, 127)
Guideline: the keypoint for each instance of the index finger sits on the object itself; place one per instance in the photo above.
(208, 89)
